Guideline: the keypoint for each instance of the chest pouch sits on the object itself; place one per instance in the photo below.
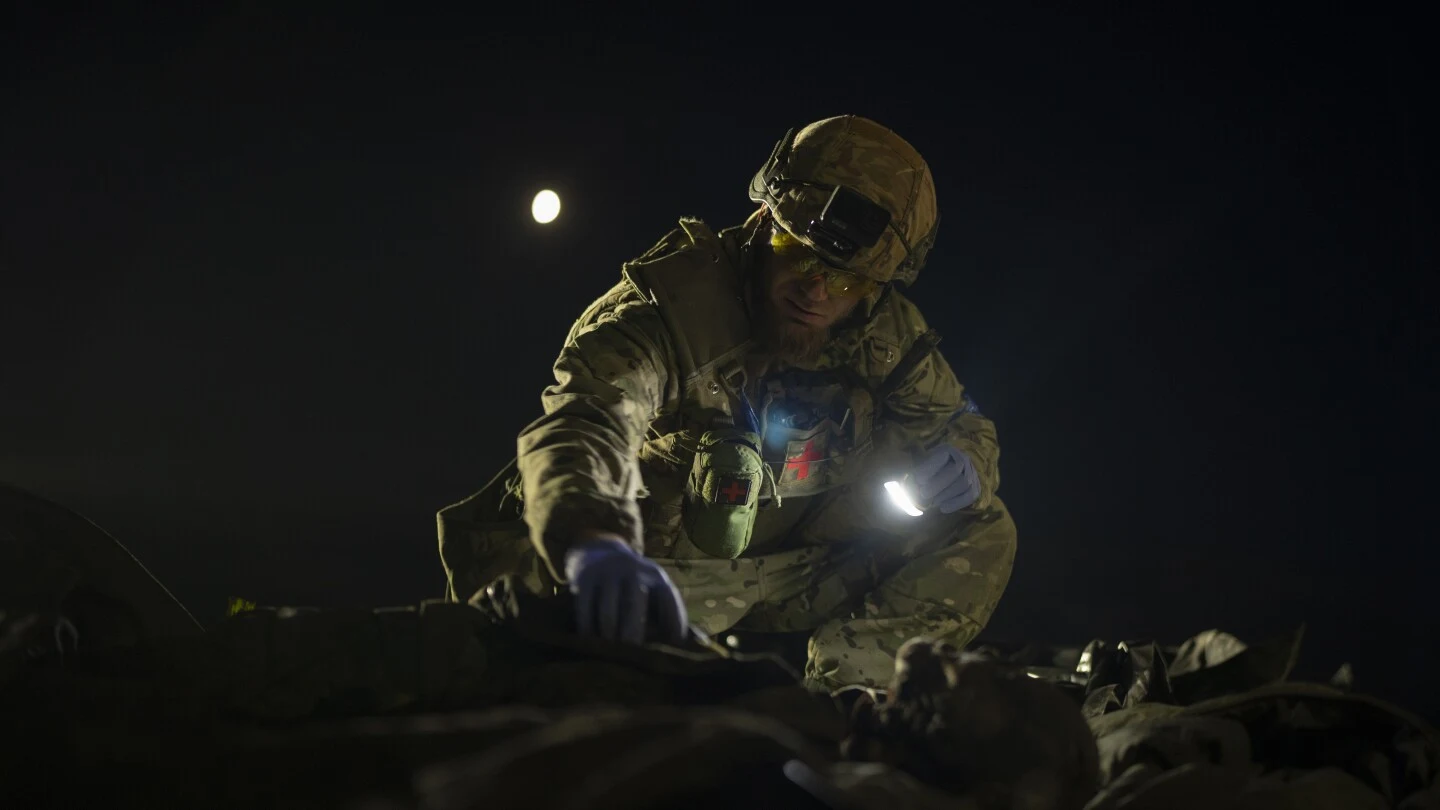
(724, 491)
(808, 466)
(813, 434)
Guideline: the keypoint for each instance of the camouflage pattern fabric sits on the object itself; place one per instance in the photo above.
(617, 437)
(446, 705)
(862, 599)
(949, 729)
(871, 587)
(1214, 722)
(286, 664)
(613, 452)
(1288, 745)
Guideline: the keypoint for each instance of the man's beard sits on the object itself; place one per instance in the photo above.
(787, 341)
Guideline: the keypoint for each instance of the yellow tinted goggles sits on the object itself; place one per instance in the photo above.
(804, 262)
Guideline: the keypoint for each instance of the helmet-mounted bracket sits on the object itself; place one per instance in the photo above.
(766, 183)
(848, 222)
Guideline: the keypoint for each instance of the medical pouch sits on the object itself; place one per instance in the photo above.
(724, 491)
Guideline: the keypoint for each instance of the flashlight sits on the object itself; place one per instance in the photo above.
(900, 495)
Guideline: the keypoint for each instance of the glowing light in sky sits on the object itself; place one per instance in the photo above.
(546, 206)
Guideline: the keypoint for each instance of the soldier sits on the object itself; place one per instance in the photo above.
(727, 420)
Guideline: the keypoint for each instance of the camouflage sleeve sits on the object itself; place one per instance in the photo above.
(578, 463)
(930, 406)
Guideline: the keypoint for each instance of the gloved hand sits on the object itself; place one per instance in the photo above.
(945, 479)
(615, 589)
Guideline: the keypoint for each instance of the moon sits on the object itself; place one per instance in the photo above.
(545, 207)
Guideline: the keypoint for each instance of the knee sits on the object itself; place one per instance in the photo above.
(970, 568)
(989, 533)
(990, 542)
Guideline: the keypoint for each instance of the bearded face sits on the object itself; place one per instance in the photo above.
(801, 297)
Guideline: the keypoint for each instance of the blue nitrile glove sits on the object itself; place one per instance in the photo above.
(945, 479)
(615, 588)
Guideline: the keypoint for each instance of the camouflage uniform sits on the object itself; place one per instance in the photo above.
(668, 354)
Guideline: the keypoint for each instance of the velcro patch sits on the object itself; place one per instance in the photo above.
(800, 454)
(732, 491)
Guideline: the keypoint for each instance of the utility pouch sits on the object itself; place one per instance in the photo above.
(724, 491)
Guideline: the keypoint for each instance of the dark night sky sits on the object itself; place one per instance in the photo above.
(271, 295)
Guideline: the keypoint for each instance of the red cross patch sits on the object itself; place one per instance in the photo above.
(732, 491)
(799, 463)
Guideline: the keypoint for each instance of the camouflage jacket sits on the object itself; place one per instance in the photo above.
(662, 357)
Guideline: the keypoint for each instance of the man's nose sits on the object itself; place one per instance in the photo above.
(814, 288)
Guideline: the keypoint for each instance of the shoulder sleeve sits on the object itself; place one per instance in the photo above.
(578, 462)
(928, 404)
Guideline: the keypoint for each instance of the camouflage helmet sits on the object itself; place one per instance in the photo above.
(856, 193)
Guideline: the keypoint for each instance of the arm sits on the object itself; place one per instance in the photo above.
(929, 407)
(578, 464)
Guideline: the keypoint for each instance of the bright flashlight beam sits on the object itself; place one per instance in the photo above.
(902, 499)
